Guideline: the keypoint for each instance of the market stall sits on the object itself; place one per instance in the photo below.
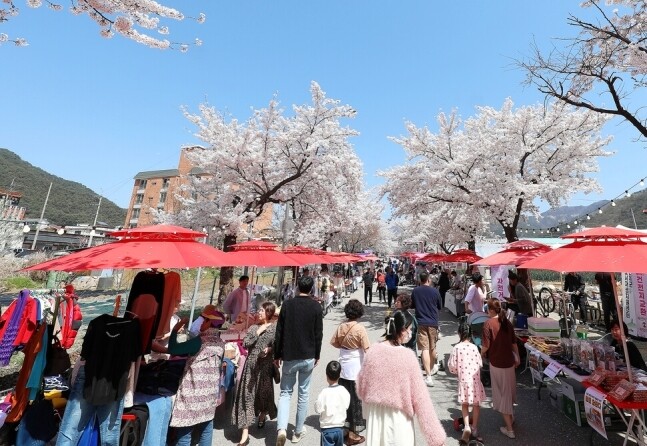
(608, 250)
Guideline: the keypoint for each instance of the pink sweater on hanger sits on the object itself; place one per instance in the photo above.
(409, 393)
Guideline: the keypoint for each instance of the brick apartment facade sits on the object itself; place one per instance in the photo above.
(157, 189)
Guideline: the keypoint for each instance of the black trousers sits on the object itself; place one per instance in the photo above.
(579, 302)
(608, 308)
(391, 295)
(368, 294)
(381, 292)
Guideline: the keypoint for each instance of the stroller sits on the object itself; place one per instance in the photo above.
(475, 321)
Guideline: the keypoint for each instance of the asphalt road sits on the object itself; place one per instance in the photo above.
(538, 423)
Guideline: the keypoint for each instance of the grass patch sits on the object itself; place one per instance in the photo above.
(19, 283)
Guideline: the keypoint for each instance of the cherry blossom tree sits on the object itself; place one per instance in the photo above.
(135, 20)
(603, 67)
(305, 160)
(496, 166)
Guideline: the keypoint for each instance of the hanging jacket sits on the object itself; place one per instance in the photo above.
(17, 324)
(71, 316)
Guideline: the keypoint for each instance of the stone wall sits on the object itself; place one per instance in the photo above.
(11, 235)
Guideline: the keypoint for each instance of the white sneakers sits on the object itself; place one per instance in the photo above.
(434, 369)
(297, 437)
(429, 381)
(507, 433)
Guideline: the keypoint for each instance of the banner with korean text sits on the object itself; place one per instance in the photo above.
(594, 408)
(634, 303)
(499, 275)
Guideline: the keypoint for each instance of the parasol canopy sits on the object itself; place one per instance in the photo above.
(260, 254)
(606, 233)
(434, 257)
(306, 255)
(515, 253)
(463, 255)
(138, 254)
(159, 231)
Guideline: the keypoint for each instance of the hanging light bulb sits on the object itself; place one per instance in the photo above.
(588, 217)
(613, 203)
(642, 182)
(541, 232)
(568, 226)
(575, 222)
(627, 194)
(599, 210)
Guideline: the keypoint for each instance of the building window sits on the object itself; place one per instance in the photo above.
(142, 184)
(139, 198)
(165, 183)
(194, 196)
(162, 197)
(135, 214)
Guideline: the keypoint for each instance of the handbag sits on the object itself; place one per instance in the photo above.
(276, 373)
(58, 359)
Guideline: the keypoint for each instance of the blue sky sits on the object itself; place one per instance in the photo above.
(98, 111)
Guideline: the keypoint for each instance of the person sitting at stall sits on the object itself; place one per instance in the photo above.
(635, 358)
(238, 300)
(519, 301)
(193, 409)
(574, 285)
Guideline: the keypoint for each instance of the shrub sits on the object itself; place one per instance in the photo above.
(19, 283)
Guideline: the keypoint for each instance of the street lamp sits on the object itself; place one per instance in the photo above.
(26, 228)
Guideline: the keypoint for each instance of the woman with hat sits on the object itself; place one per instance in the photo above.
(196, 397)
(255, 392)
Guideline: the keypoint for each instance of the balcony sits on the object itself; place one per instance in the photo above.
(133, 221)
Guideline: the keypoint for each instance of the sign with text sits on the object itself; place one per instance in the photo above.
(594, 408)
(553, 369)
(634, 303)
(499, 275)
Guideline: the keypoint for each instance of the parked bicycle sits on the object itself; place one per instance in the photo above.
(545, 301)
(566, 312)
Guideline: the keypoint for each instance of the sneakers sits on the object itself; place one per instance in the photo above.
(507, 433)
(434, 369)
(281, 437)
(429, 381)
(298, 437)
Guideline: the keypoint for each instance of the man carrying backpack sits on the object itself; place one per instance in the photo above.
(368, 278)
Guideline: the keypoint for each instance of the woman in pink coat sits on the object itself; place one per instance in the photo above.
(390, 410)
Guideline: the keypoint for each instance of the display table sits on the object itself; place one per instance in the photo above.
(454, 302)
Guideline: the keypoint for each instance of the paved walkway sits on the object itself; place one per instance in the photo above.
(538, 423)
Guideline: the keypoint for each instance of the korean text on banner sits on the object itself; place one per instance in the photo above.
(635, 303)
(500, 282)
(594, 408)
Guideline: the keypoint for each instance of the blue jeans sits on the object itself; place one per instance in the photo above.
(204, 429)
(332, 436)
(302, 367)
(78, 412)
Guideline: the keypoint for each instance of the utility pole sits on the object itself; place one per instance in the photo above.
(42, 214)
(634, 217)
(284, 238)
(96, 216)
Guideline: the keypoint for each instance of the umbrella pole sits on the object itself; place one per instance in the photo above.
(620, 319)
(195, 295)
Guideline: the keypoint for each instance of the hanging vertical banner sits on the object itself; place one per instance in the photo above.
(593, 406)
(634, 303)
(500, 282)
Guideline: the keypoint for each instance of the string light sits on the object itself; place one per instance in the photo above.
(588, 217)
(642, 182)
(613, 202)
(627, 194)
(599, 210)
(575, 222)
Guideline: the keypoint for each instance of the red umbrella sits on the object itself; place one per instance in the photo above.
(304, 254)
(138, 254)
(515, 253)
(607, 233)
(368, 257)
(434, 257)
(260, 254)
(463, 255)
(344, 257)
(159, 231)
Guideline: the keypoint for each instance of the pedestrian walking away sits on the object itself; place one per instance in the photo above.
(297, 345)
(425, 299)
(368, 278)
(392, 281)
(331, 405)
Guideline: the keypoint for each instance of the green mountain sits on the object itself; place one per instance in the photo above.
(69, 202)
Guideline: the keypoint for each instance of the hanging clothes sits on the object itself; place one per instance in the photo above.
(148, 282)
(20, 397)
(70, 318)
(171, 300)
(17, 325)
(110, 346)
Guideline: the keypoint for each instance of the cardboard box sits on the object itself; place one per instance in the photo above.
(555, 395)
(572, 389)
(543, 326)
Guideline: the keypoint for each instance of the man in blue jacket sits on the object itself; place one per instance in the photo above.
(425, 299)
(392, 282)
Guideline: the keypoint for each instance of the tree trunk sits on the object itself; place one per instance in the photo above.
(226, 272)
(471, 245)
(510, 233)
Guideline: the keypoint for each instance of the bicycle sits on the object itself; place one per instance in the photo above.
(566, 312)
(545, 301)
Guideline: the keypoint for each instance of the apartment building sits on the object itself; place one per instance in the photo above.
(157, 189)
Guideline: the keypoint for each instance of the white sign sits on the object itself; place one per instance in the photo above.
(594, 408)
(553, 369)
(500, 282)
(635, 303)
